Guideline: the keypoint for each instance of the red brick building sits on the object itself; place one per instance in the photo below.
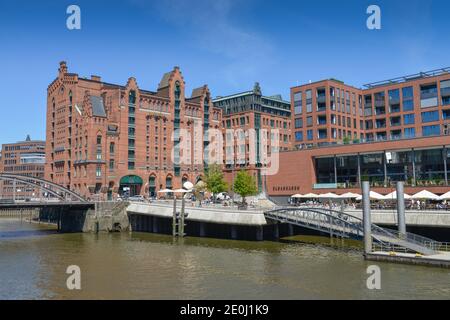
(394, 130)
(106, 139)
(268, 117)
(24, 158)
(331, 112)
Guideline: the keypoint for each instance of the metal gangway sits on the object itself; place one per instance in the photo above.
(340, 224)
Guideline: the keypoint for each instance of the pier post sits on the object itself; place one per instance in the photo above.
(202, 229)
(290, 230)
(401, 208)
(366, 217)
(181, 229)
(259, 233)
(276, 231)
(155, 225)
(233, 232)
(174, 218)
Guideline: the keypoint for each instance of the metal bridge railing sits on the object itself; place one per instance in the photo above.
(343, 224)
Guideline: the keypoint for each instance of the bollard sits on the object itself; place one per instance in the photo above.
(366, 217)
(401, 208)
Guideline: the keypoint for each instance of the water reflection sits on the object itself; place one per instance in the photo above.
(148, 266)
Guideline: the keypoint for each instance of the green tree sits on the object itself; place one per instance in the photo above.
(245, 185)
(215, 183)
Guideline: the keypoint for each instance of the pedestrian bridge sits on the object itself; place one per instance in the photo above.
(343, 225)
(53, 189)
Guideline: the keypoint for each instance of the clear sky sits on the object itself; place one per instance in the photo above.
(227, 44)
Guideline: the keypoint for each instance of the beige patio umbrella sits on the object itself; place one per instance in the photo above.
(296, 196)
(309, 196)
(328, 195)
(445, 196)
(165, 191)
(373, 196)
(425, 195)
(349, 195)
(393, 196)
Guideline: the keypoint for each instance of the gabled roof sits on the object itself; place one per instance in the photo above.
(165, 80)
(198, 92)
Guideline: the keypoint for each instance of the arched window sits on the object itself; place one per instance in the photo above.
(70, 97)
(99, 140)
(169, 182)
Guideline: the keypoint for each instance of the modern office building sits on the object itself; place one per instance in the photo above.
(394, 130)
(106, 139)
(269, 116)
(330, 112)
(24, 158)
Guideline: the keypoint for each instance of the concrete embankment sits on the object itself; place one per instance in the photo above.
(207, 222)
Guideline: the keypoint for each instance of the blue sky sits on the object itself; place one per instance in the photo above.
(227, 44)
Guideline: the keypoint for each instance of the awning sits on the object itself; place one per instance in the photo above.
(131, 180)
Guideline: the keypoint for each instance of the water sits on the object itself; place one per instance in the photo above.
(34, 258)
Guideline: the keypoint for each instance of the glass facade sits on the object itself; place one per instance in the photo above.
(427, 167)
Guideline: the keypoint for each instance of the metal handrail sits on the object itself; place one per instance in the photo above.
(354, 225)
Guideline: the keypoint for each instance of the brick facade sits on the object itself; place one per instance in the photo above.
(24, 158)
(99, 134)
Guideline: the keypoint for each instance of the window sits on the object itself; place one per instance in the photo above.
(309, 121)
(408, 119)
(431, 130)
(322, 134)
(298, 103)
(132, 97)
(112, 148)
(446, 114)
(445, 92)
(408, 98)
(298, 123)
(380, 104)
(308, 101)
(396, 121)
(394, 100)
(322, 120)
(309, 134)
(430, 116)
(299, 136)
(99, 139)
(98, 172)
(428, 96)
(410, 132)
(111, 165)
(368, 105)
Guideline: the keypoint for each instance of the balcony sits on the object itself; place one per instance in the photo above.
(445, 92)
(321, 99)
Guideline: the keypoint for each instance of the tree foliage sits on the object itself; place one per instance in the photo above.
(215, 183)
(245, 185)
